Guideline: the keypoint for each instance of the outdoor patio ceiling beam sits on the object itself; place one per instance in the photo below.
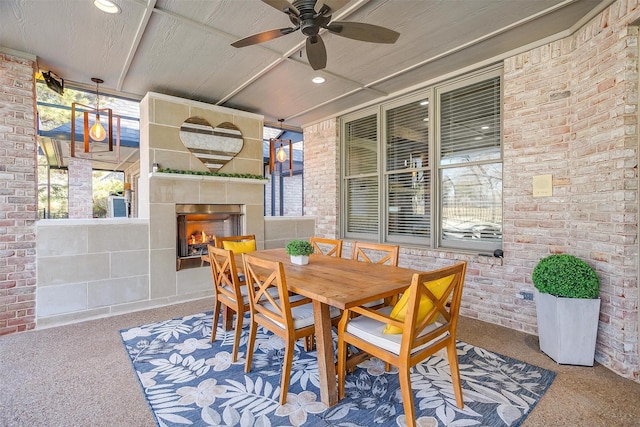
(282, 56)
(142, 27)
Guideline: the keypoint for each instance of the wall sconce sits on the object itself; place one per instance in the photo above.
(280, 155)
(97, 132)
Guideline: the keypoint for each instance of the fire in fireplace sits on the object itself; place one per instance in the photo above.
(198, 224)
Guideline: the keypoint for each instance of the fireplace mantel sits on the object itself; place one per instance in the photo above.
(190, 177)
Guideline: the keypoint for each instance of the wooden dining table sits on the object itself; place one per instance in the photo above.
(338, 282)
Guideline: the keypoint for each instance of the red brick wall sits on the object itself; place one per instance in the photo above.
(18, 195)
(570, 110)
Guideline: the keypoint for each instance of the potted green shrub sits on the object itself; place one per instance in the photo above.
(299, 251)
(568, 308)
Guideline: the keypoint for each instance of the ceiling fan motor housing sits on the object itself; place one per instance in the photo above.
(307, 19)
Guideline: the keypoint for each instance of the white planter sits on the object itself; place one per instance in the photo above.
(300, 259)
(567, 328)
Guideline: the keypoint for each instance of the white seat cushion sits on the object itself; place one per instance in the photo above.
(371, 330)
(373, 303)
(302, 314)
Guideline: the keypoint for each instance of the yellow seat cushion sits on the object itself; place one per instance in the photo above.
(399, 312)
(239, 247)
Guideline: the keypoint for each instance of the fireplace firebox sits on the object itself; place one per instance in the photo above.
(198, 224)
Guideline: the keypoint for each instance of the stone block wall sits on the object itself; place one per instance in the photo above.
(92, 268)
(570, 110)
(18, 193)
(161, 117)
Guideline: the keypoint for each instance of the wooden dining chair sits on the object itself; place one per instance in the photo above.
(238, 244)
(379, 253)
(423, 322)
(230, 291)
(329, 247)
(288, 316)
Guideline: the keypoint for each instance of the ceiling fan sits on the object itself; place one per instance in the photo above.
(304, 17)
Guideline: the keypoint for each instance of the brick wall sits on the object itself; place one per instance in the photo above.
(80, 175)
(570, 110)
(321, 176)
(18, 195)
(292, 189)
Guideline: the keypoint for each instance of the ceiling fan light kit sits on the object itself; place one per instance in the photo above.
(310, 16)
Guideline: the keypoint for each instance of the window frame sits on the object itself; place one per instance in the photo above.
(384, 108)
(344, 194)
(435, 169)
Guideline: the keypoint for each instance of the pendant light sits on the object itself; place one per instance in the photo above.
(93, 137)
(281, 154)
(97, 132)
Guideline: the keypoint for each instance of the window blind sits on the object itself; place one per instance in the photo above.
(361, 146)
(470, 122)
(407, 136)
(407, 160)
(361, 170)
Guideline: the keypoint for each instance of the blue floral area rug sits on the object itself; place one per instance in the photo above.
(189, 381)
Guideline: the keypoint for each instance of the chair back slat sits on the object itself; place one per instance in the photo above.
(376, 253)
(328, 247)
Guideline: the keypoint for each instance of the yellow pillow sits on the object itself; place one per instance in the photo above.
(239, 247)
(399, 312)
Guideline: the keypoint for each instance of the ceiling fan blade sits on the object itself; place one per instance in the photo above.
(363, 32)
(316, 53)
(281, 5)
(263, 37)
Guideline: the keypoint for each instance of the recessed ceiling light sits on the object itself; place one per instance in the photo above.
(484, 127)
(478, 138)
(424, 103)
(318, 80)
(107, 6)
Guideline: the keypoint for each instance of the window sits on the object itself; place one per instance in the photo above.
(427, 169)
(361, 176)
(408, 181)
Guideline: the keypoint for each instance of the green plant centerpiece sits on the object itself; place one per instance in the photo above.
(567, 308)
(299, 250)
(565, 276)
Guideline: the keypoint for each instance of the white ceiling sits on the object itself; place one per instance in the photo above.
(182, 48)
